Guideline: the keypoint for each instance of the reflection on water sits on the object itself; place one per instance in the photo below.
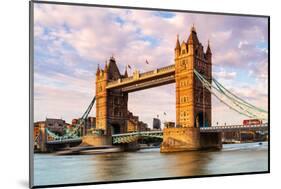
(149, 163)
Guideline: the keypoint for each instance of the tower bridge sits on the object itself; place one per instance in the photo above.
(193, 100)
(194, 85)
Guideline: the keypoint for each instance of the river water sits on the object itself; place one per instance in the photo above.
(50, 169)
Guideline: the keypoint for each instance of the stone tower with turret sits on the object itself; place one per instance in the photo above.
(111, 105)
(193, 101)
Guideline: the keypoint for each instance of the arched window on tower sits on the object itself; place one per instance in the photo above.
(198, 98)
(115, 100)
(196, 52)
(115, 112)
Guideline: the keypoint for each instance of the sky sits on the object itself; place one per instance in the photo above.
(70, 41)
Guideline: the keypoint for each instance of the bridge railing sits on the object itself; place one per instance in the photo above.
(202, 129)
(234, 127)
(166, 69)
(145, 74)
(137, 133)
(127, 79)
(118, 81)
(64, 141)
(113, 82)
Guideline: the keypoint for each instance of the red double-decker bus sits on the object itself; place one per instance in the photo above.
(252, 122)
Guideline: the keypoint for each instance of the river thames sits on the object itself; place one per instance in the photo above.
(51, 169)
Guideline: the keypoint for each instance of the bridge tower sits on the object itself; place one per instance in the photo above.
(111, 105)
(193, 101)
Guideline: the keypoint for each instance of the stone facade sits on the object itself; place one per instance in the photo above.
(212, 140)
(111, 105)
(55, 125)
(188, 139)
(36, 134)
(193, 101)
(134, 125)
(93, 140)
(169, 124)
(36, 129)
(180, 139)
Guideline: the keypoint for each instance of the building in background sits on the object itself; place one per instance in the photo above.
(90, 124)
(134, 125)
(36, 133)
(143, 126)
(156, 124)
(169, 124)
(37, 126)
(55, 125)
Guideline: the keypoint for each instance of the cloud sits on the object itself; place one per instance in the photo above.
(241, 43)
(224, 75)
(54, 102)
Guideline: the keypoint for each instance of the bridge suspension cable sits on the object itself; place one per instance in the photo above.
(236, 97)
(82, 120)
(74, 132)
(231, 100)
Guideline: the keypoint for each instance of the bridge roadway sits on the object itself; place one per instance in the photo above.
(64, 141)
(261, 127)
(133, 136)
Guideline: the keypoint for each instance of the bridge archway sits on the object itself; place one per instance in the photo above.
(199, 121)
(115, 128)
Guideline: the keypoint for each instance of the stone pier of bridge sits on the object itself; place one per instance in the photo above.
(188, 139)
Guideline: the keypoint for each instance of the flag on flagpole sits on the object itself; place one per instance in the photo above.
(146, 62)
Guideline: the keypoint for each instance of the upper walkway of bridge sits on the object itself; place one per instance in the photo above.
(144, 80)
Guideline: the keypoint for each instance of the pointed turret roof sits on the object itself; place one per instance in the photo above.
(193, 28)
(177, 43)
(113, 70)
(192, 39)
(208, 51)
(126, 73)
(98, 70)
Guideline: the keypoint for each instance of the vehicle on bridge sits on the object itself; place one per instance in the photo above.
(252, 122)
